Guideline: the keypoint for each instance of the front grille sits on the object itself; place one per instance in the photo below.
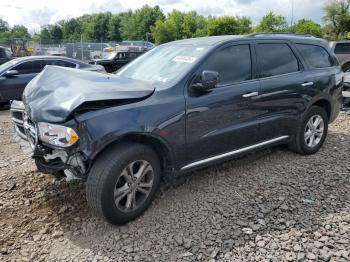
(17, 109)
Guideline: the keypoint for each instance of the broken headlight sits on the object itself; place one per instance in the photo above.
(57, 135)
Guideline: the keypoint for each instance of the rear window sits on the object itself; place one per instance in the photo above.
(342, 48)
(276, 59)
(60, 63)
(317, 56)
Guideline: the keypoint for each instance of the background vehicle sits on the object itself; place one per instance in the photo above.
(138, 45)
(181, 106)
(346, 91)
(5, 55)
(342, 51)
(16, 74)
(115, 60)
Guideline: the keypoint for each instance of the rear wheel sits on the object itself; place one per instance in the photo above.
(122, 182)
(312, 131)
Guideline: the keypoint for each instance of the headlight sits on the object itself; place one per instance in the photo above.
(57, 135)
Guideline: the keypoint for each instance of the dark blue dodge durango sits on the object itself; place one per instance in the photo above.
(181, 106)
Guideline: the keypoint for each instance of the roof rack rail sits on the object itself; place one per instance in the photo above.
(280, 33)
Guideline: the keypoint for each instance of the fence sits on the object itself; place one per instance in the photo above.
(84, 51)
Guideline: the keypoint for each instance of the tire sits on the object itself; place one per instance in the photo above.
(305, 146)
(108, 180)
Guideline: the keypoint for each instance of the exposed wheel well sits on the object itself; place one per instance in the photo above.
(346, 66)
(158, 146)
(325, 105)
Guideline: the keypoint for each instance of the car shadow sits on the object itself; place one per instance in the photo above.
(220, 208)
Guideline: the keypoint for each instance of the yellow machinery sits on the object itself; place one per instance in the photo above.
(19, 49)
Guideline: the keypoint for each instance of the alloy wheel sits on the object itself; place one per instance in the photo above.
(314, 131)
(133, 186)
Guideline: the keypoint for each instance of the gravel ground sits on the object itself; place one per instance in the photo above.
(270, 206)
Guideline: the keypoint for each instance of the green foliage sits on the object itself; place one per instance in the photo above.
(179, 25)
(135, 25)
(308, 27)
(20, 31)
(228, 25)
(4, 26)
(272, 23)
(337, 18)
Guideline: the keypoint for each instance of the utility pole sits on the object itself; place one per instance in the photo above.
(292, 17)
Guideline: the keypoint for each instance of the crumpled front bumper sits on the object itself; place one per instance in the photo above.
(17, 110)
(48, 160)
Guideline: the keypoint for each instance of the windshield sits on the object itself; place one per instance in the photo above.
(7, 65)
(109, 56)
(163, 65)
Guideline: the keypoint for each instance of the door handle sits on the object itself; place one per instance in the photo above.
(250, 94)
(307, 84)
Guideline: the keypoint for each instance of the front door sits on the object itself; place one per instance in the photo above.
(12, 86)
(226, 117)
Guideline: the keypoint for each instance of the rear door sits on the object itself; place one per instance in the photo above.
(13, 86)
(282, 78)
(226, 117)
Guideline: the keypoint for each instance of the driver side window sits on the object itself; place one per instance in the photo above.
(30, 67)
(233, 64)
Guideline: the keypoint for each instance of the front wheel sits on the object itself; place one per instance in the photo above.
(311, 132)
(122, 182)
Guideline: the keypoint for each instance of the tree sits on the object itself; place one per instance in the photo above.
(309, 27)
(337, 18)
(4, 26)
(135, 25)
(71, 29)
(45, 35)
(96, 26)
(272, 23)
(228, 25)
(20, 31)
(114, 28)
(179, 25)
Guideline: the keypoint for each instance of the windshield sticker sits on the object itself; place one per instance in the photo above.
(184, 59)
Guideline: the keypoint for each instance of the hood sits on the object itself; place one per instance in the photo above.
(54, 94)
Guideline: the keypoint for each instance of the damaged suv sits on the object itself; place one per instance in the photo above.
(181, 106)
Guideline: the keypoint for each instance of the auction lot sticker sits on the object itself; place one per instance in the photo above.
(184, 59)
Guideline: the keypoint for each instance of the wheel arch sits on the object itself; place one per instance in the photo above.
(160, 147)
(325, 104)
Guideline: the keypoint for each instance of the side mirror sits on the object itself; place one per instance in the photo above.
(209, 80)
(11, 73)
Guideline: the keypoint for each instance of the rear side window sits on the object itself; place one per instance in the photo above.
(342, 48)
(30, 67)
(317, 56)
(232, 63)
(60, 63)
(276, 59)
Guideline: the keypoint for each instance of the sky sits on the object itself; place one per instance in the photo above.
(36, 13)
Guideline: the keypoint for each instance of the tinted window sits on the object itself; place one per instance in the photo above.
(60, 63)
(232, 63)
(342, 48)
(276, 59)
(30, 67)
(317, 56)
(2, 53)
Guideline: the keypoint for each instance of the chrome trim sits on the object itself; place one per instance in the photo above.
(17, 121)
(235, 152)
(250, 94)
(307, 84)
(346, 93)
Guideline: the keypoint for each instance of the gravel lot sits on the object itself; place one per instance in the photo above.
(270, 206)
